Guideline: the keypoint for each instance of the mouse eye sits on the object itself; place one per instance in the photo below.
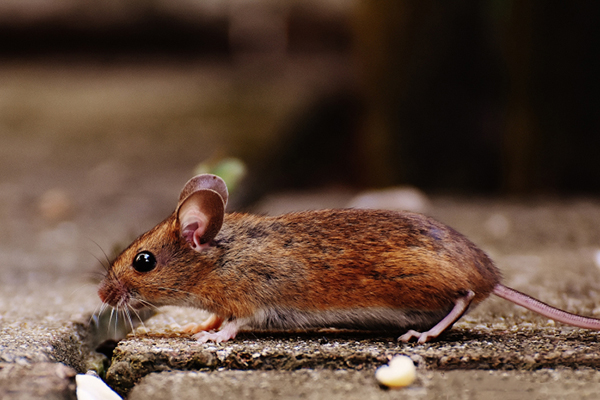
(144, 261)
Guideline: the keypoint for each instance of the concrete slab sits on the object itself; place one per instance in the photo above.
(44, 336)
(522, 348)
(41, 380)
(360, 385)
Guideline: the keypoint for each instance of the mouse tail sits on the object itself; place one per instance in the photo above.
(546, 310)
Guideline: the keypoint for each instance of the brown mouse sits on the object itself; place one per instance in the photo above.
(331, 268)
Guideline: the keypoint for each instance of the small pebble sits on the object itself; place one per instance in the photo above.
(400, 372)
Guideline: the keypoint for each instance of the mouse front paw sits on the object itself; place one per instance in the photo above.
(228, 332)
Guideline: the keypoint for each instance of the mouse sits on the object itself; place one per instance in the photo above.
(338, 268)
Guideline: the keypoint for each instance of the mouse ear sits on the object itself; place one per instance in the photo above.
(201, 209)
(201, 182)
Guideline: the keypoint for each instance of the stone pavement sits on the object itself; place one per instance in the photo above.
(46, 334)
(359, 385)
(67, 198)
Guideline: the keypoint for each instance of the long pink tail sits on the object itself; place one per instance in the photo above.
(546, 310)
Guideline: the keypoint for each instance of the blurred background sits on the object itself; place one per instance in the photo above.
(107, 108)
(470, 96)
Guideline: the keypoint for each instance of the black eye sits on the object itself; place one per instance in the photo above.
(144, 261)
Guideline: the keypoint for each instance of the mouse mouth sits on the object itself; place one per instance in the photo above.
(110, 295)
(117, 296)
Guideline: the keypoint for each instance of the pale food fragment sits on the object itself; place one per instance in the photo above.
(400, 372)
(90, 387)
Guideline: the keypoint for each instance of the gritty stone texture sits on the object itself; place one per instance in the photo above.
(360, 385)
(32, 342)
(479, 348)
(44, 316)
(43, 341)
(41, 380)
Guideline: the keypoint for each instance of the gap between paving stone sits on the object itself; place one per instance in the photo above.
(522, 348)
(39, 358)
(45, 336)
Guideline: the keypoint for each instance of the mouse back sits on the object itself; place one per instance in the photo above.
(331, 259)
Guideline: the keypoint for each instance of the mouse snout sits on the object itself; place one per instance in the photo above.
(111, 294)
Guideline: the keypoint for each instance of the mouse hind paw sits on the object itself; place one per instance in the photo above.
(460, 307)
(422, 337)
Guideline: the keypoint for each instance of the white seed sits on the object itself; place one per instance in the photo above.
(91, 387)
(400, 372)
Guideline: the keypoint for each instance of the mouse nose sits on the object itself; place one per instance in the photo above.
(112, 294)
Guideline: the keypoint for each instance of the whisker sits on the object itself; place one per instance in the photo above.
(96, 274)
(104, 266)
(147, 303)
(112, 313)
(139, 319)
(107, 265)
(78, 289)
(188, 293)
(128, 315)
(117, 322)
(93, 321)
(96, 314)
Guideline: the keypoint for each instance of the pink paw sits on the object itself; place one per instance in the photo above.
(421, 337)
(229, 331)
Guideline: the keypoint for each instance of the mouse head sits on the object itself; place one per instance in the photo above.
(158, 267)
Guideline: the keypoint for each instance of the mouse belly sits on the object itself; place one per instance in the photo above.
(378, 319)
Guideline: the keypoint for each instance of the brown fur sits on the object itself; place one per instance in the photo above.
(343, 268)
(309, 261)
